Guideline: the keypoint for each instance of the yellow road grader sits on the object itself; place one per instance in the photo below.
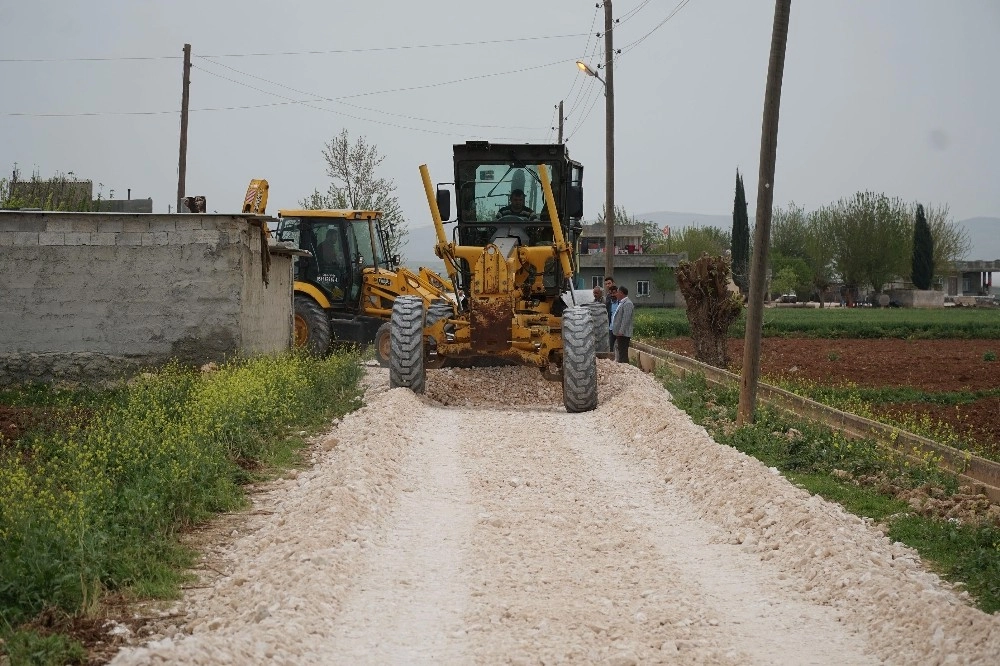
(512, 263)
(345, 286)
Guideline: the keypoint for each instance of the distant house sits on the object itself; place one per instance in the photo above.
(649, 277)
(971, 278)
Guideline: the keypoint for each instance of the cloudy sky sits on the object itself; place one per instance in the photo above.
(895, 96)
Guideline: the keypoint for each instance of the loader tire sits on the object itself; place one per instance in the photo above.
(312, 327)
(599, 318)
(406, 344)
(437, 311)
(382, 344)
(579, 371)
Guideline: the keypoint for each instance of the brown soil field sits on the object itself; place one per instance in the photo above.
(933, 366)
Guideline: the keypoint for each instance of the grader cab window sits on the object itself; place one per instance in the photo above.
(485, 190)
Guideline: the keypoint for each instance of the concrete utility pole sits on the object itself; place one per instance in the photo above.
(762, 229)
(609, 147)
(185, 98)
(560, 121)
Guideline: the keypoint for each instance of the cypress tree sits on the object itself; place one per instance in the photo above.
(740, 238)
(923, 252)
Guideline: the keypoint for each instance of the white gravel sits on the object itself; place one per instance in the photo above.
(481, 524)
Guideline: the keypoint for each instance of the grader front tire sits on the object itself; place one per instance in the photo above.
(579, 371)
(406, 344)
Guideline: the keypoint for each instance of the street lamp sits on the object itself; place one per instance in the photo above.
(585, 68)
(609, 152)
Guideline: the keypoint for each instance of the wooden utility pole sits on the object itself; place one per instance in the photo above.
(762, 224)
(560, 121)
(185, 98)
(609, 146)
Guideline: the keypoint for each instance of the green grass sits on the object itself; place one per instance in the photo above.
(826, 463)
(968, 554)
(906, 323)
(24, 648)
(93, 505)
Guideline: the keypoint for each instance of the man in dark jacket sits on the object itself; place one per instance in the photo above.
(609, 298)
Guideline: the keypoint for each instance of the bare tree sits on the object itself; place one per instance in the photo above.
(353, 170)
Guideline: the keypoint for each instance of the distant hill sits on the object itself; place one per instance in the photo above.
(984, 232)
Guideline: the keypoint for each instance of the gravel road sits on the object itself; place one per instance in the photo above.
(481, 524)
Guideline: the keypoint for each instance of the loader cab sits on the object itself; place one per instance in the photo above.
(341, 244)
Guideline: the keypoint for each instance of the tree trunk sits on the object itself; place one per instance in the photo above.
(712, 306)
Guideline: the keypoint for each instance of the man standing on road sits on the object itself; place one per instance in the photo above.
(621, 327)
(609, 301)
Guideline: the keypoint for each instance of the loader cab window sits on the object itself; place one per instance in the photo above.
(362, 254)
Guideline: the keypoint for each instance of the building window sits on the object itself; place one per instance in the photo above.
(642, 288)
(598, 281)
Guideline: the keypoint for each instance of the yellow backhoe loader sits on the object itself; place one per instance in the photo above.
(345, 286)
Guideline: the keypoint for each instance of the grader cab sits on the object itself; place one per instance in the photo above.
(510, 258)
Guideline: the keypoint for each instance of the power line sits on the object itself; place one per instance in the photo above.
(632, 12)
(147, 113)
(586, 46)
(320, 98)
(588, 86)
(585, 116)
(680, 5)
(398, 48)
(288, 53)
(338, 113)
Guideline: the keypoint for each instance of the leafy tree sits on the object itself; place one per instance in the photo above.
(352, 168)
(819, 250)
(923, 252)
(697, 241)
(789, 231)
(785, 281)
(870, 234)
(664, 278)
(741, 238)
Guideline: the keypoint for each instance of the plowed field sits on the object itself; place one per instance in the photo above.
(933, 366)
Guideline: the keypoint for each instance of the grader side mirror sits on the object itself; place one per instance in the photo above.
(444, 204)
(574, 203)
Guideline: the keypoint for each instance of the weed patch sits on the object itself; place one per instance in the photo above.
(88, 506)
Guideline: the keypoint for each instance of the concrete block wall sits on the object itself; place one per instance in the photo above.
(88, 296)
(917, 298)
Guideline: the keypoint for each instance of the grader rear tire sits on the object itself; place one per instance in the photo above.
(382, 344)
(599, 318)
(312, 327)
(579, 371)
(406, 344)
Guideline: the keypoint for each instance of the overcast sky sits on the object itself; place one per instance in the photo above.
(895, 96)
